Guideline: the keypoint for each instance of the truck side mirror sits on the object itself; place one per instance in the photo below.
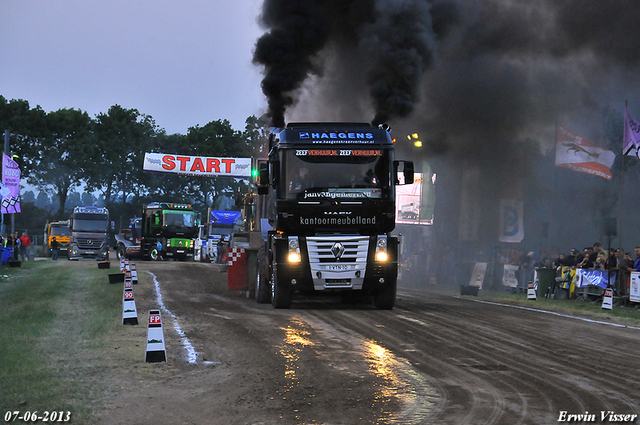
(263, 174)
(408, 172)
(275, 172)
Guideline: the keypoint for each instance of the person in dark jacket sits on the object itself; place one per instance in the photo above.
(15, 240)
(54, 249)
(572, 260)
(636, 265)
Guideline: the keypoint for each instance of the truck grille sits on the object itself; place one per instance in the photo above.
(89, 243)
(338, 261)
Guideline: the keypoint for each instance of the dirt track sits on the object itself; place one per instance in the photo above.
(433, 359)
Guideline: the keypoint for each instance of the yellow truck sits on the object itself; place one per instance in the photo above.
(60, 231)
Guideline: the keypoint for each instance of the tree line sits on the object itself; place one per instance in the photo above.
(63, 150)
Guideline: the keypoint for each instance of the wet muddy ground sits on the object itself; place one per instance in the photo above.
(433, 359)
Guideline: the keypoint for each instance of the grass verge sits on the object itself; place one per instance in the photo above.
(584, 308)
(56, 318)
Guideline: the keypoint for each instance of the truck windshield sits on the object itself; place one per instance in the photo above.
(59, 230)
(90, 223)
(179, 219)
(342, 173)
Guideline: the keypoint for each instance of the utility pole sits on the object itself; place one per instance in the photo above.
(7, 134)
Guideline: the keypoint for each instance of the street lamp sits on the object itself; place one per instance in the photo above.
(415, 139)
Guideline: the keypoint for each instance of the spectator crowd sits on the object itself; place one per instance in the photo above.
(19, 244)
(594, 257)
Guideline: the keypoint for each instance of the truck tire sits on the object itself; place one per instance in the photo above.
(385, 298)
(280, 293)
(263, 289)
(121, 252)
(153, 254)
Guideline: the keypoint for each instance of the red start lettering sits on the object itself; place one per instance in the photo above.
(213, 164)
(228, 162)
(154, 319)
(128, 295)
(168, 163)
(197, 165)
(183, 162)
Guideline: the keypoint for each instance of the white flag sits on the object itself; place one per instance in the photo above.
(631, 139)
(579, 154)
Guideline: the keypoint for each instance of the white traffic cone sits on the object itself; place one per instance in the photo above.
(129, 311)
(531, 291)
(607, 301)
(156, 351)
(134, 273)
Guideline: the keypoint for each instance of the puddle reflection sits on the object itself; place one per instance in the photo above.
(295, 340)
(400, 384)
(400, 393)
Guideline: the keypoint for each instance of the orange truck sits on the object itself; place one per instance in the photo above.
(60, 231)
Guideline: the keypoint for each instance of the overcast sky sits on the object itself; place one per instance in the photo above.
(185, 62)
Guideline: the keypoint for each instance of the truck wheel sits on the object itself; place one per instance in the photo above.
(280, 295)
(121, 252)
(385, 298)
(153, 254)
(263, 290)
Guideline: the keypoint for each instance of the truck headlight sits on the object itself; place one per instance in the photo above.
(382, 254)
(294, 250)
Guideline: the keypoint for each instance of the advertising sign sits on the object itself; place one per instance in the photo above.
(410, 204)
(10, 187)
(634, 287)
(477, 277)
(585, 277)
(509, 277)
(197, 165)
(511, 221)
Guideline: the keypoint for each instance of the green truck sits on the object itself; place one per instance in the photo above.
(174, 225)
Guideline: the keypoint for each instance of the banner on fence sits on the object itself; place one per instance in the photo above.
(509, 277)
(586, 277)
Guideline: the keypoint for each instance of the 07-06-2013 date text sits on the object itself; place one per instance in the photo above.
(31, 417)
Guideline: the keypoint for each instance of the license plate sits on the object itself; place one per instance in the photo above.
(337, 267)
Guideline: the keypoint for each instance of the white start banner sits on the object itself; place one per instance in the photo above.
(197, 165)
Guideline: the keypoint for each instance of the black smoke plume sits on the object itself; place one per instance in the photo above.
(473, 78)
(297, 32)
(392, 41)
